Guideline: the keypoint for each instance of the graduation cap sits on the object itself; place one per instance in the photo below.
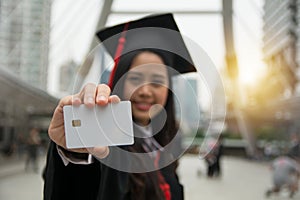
(151, 32)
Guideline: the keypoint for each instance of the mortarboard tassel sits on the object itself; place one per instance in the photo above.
(118, 53)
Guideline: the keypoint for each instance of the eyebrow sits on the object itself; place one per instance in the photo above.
(135, 73)
(159, 76)
(142, 74)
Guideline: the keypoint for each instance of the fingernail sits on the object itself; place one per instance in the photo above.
(102, 98)
(90, 100)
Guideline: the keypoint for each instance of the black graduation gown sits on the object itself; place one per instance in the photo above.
(94, 181)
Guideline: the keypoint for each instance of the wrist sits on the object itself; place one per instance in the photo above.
(72, 154)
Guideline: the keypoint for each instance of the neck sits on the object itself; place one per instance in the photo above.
(142, 122)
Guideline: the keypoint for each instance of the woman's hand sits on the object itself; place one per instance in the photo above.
(90, 96)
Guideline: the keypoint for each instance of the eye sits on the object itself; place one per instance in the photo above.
(135, 80)
(159, 82)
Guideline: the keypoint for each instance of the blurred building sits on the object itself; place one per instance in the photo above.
(187, 104)
(279, 93)
(24, 39)
(105, 76)
(67, 76)
(281, 42)
(24, 44)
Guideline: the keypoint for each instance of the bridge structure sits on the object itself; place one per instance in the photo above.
(26, 105)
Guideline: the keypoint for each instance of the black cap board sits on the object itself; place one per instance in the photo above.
(151, 32)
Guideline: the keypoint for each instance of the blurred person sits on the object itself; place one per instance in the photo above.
(294, 150)
(268, 151)
(285, 174)
(20, 145)
(33, 143)
(145, 80)
(212, 155)
(219, 154)
(271, 150)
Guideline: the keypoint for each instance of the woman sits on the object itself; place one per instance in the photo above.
(141, 76)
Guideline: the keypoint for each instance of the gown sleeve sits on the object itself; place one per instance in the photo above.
(72, 181)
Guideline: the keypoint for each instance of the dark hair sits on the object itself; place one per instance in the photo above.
(164, 135)
(140, 182)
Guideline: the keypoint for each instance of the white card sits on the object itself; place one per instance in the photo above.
(109, 125)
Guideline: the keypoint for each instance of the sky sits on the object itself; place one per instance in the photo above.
(73, 26)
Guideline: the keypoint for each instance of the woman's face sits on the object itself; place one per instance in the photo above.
(146, 85)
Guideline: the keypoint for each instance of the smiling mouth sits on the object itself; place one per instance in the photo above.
(143, 106)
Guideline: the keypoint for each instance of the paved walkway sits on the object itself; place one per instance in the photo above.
(16, 183)
(242, 179)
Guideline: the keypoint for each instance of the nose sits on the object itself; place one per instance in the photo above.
(145, 90)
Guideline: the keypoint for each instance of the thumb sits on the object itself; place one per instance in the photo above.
(99, 152)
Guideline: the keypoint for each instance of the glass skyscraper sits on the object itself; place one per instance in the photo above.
(24, 39)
